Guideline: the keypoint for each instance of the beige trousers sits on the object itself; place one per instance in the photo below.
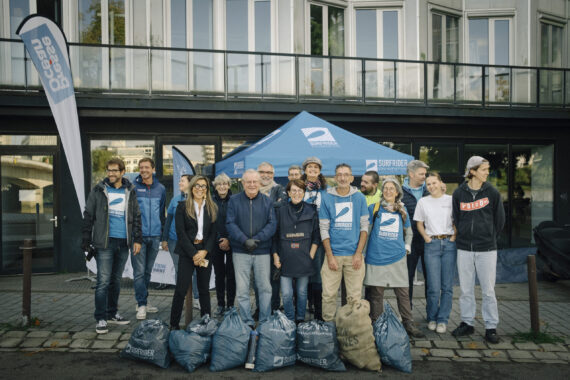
(331, 282)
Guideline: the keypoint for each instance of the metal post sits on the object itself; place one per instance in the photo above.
(261, 75)
(189, 306)
(149, 74)
(510, 87)
(533, 293)
(483, 86)
(395, 83)
(537, 88)
(226, 76)
(297, 78)
(425, 84)
(330, 79)
(363, 86)
(27, 285)
(454, 83)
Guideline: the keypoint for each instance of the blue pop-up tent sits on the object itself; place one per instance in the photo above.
(307, 135)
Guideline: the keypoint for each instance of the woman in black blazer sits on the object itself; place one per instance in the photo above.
(195, 219)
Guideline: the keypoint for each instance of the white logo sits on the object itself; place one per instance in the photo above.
(319, 136)
(343, 212)
(372, 165)
(238, 166)
(389, 223)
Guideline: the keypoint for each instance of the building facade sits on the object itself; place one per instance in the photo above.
(441, 80)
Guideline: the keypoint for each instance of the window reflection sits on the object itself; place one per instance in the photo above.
(442, 158)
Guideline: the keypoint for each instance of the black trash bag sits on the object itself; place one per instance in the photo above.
(392, 341)
(229, 346)
(191, 348)
(276, 345)
(149, 343)
(317, 345)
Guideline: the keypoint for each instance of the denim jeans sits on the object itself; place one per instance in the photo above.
(174, 256)
(244, 263)
(142, 267)
(110, 266)
(440, 257)
(484, 265)
(301, 284)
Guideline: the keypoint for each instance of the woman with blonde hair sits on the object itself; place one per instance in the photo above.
(195, 220)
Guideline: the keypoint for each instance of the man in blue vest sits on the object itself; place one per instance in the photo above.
(151, 196)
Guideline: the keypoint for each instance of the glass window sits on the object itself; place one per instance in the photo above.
(533, 193)
(237, 39)
(452, 39)
(117, 22)
(27, 140)
(156, 23)
(202, 157)
(202, 30)
(390, 34)
(90, 21)
(336, 31)
(140, 25)
(436, 38)
(179, 71)
(479, 40)
(442, 158)
(130, 151)
(262, 26)
(497, 155)
(501, 42)
(366, 43)
(551, 56)
(316, 30)
(400, 147)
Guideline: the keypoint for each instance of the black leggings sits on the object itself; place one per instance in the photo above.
(185, 269)
(225, 277)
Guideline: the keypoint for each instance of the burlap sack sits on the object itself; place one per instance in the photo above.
(355, 336)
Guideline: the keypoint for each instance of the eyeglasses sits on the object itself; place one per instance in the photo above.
(296, 191)
(343, 175)
(263, 172)
(201, 187)
(113, 170)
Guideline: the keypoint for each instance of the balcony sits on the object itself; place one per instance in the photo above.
(234, 75)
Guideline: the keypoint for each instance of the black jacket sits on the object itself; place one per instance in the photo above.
(411, 202)
(187, 228)
(221, 231)
(294, 237)
(250, 219)
(96, 215)
(479, 219)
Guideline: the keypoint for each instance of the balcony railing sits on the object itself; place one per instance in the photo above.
(232, 75)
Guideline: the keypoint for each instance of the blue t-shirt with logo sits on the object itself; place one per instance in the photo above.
(117, 208)
(344, 215)
(386, 241)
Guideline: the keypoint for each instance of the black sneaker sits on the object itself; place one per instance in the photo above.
(491, 336)
(462, 330)
(118, 320)
(220, 311)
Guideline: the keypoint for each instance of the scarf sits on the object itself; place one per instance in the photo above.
(311, 186)
(267, 189)
(391, 206)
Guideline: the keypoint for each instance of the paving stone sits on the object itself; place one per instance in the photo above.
(32, 349)
(554, 361)
(102, 344)
(80, 343)
(519, 354)
(61, 335)
(10, 342)
(55, 343)
(474, 345)
(545, 355)
(526, 346)
(466, 360)
(567, 340)
(15, 334)
(564, 355)
(437, 359)
(526, 361)
(469, 353)
(59, 349)
(442, 352)
(125, 336)
(109, 336)
(422, 344)
(494, 354)
(85, 335)
(79, 350)
(549, 347)
(33, 342)
(496, 359)
(14, 349)
(108, 350)
(122, 344)
(38, 334)
(501, 346)
(446, 344)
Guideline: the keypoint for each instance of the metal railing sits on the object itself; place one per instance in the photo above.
(234, 75)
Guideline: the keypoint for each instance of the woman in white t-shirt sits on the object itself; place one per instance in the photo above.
(435, 224)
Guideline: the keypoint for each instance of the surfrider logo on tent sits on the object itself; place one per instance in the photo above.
(319, 137)
(238, 167)
(372, 165)
(343, 216)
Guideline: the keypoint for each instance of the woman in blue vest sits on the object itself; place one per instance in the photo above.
(294, 245)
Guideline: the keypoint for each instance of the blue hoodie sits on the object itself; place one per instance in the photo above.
(342, 218)
(152, 202)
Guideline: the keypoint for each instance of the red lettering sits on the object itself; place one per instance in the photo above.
(476, 205)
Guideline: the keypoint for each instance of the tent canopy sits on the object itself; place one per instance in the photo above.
(307, 135)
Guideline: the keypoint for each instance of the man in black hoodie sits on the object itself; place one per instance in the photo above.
(479, 217)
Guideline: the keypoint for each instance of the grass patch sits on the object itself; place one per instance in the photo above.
(34, 322)
(538, 338)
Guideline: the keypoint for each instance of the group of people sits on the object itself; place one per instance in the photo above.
(298, 244)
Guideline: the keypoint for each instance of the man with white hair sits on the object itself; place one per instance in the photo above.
(251, 225)
(414, 188)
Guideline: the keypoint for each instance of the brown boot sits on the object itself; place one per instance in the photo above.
(413, 331)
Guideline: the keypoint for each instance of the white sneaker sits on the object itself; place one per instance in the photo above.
(101, 327)
(431, 325)
(196, 304)
(441, 328)
(141, 312)
(149, 308)
(118, 320)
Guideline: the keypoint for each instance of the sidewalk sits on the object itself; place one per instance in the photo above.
(65, 310)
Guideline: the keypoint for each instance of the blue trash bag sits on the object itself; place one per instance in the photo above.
(191, 348)
(317, 345)
(276, 346)
(229, 346)
(149, 343)
(392, 341)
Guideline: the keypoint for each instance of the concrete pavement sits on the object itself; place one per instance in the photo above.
(66, 323)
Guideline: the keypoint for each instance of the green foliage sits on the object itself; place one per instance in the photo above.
(538, 338)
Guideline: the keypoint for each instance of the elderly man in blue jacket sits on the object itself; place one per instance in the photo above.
(251, 225)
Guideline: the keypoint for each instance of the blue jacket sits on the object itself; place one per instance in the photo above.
(411, 202)
(251, 219)
(152, 202)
